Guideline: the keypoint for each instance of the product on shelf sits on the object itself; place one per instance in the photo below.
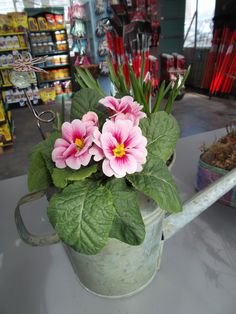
(19, 21)
(15, 95)
(5, 24)
(13, 42)
(32, 23)
(2, 113)
(42, 23)
(61, 45)
(60, 35)
(52, 75)
(5, 134)
(47, 94)
(5, 77)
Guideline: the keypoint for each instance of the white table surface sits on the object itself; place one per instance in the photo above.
(198, 269)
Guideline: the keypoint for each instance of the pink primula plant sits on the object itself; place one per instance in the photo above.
(125, 108)
(72, 149)
(120, 145)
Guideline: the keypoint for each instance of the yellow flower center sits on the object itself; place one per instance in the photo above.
(79, 144)
(119, 151)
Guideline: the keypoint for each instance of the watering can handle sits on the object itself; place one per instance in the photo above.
(25, 235)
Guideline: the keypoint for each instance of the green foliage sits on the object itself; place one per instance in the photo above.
(82, 215)
(156, 182)
(87, 100)
(128, 224)
(162, 132)
(41, 164)
(62, 177)
(85, 79)
(175, 91)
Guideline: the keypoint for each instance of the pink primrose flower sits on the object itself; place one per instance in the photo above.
(90, 117)
(72, 149)
(125, 108)
(122, 145)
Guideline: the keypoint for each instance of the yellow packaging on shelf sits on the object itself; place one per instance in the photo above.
(5, 76)
(19, 21)
(21, 40)
(2, 113)
(5, 134)
(5, 24)
(42, 23)
(47, 94)
(32, 23)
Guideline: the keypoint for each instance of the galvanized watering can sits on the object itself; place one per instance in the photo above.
(119, 269)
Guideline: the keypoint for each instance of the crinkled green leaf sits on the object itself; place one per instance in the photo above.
(61, 177)
(86, 100)
(41, 164)
(162, 132)
(82, 215)
(128, 225)
(156, 182)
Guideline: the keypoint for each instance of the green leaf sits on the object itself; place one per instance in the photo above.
(162, 132)
(41, 164)
(128, 224)
(82, 215)
(38, 174)
(62, 177)
(156, 182)
(87, 100)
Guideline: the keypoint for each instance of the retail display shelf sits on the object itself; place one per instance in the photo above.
(59, 79)
(48, 30)
(6, 67)
(54, 66)
(14, 49)
(7, 85)
(12, 34)
(56, 52)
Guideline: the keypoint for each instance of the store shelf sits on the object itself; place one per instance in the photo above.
(6, 67)
(55, 66)
(48, 30)
(58, 52)
(59, 79)
(12, 34)
(13, 49)
(7, 85)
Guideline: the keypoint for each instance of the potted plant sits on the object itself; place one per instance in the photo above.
(106, 177)
(216, 161)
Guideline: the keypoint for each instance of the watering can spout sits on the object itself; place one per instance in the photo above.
(198, 203)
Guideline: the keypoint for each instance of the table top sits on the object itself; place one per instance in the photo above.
(198, 268)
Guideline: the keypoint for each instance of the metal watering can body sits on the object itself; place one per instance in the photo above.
(119, 269)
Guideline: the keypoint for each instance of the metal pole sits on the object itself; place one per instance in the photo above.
(196, 22)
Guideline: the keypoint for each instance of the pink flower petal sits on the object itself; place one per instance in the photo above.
(127, 163)
(96, 137)
(85, 158)
(61, 142)
(79, 129)
(90, 117)
(57, 153)
(108, 144)
(71, 150)
(60, 164)
(119, 129)
(139, 155)
(97, 152)
(107, 169)
(135, 138)
(67, 132)
(110, 102)
(73, 162)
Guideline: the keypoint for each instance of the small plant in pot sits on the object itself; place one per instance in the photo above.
(216, 161)
(112, 187)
